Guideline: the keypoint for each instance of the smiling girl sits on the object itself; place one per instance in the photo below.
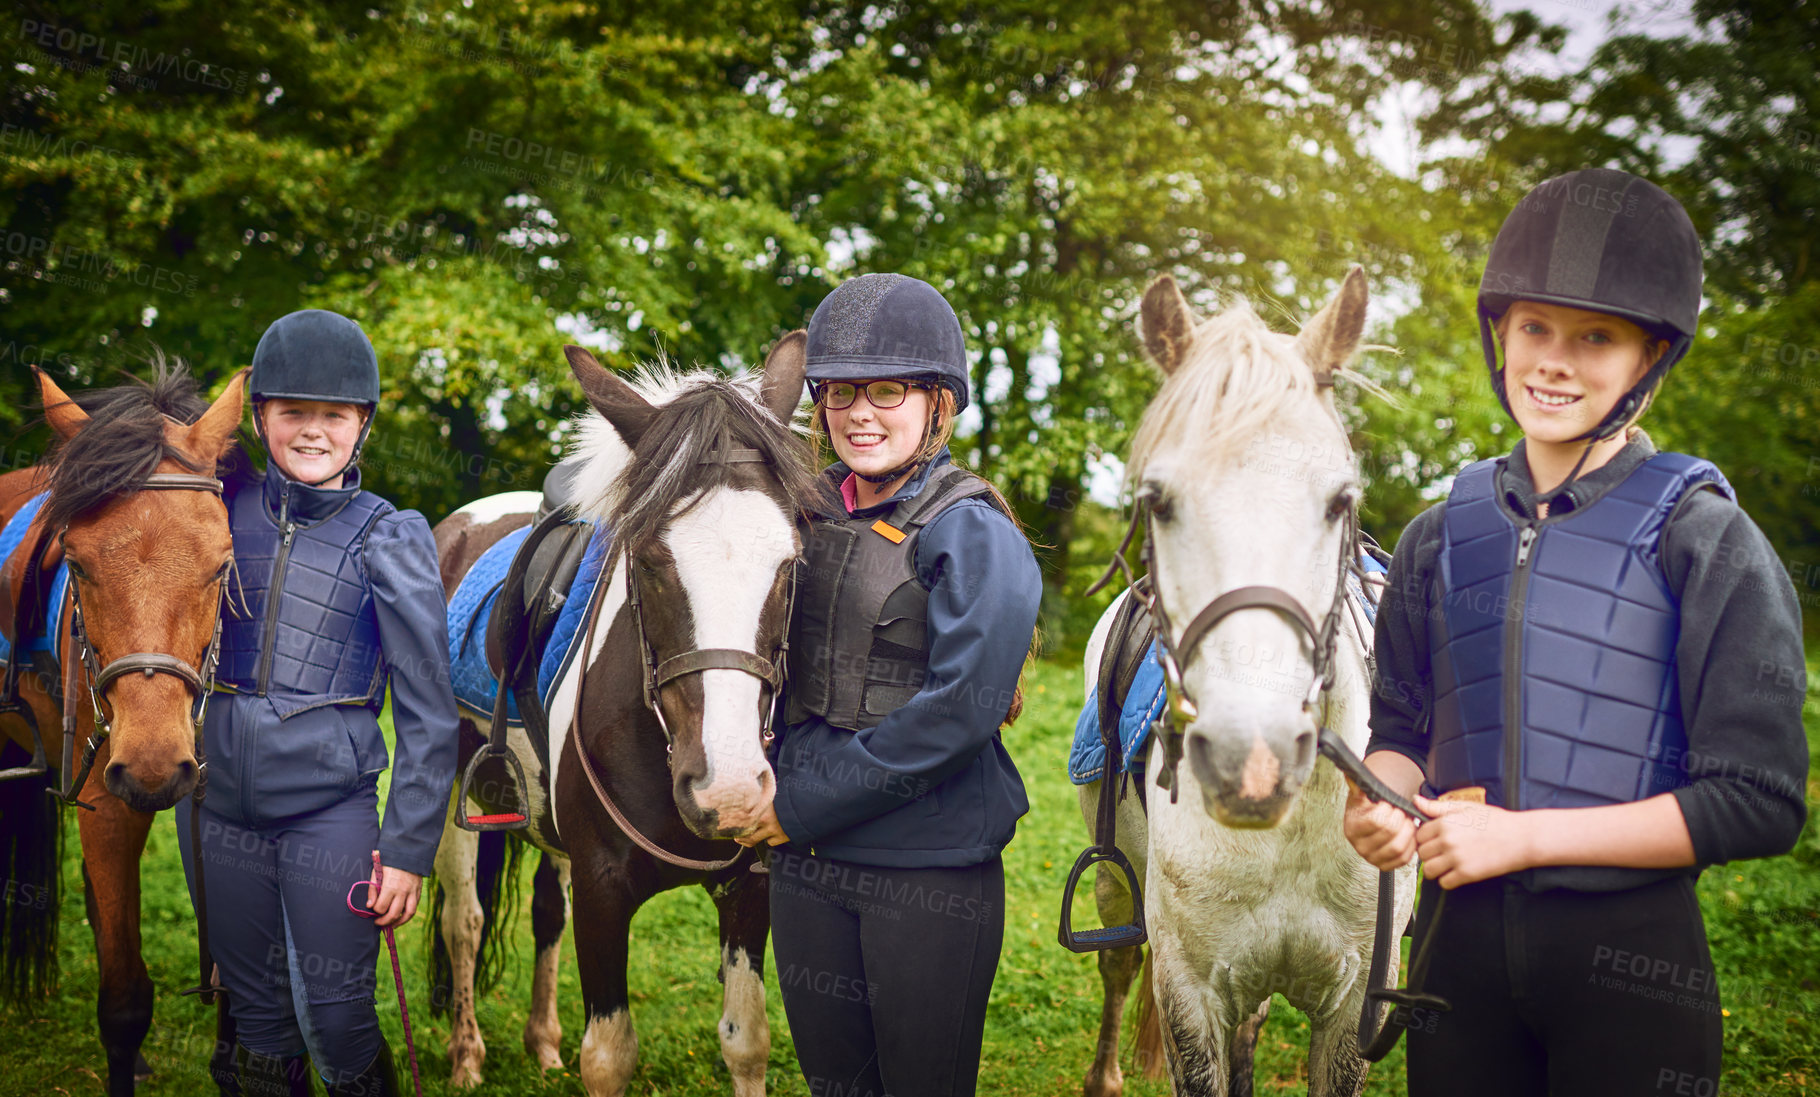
(338, 595)
(915, 606)
(1580, 631)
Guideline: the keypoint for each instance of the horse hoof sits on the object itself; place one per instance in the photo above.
(1103, 1085)
(142, 1070)
(464, 1076)
(548, 1058)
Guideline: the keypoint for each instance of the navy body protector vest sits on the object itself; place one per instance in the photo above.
(859, 638)
(309, 635)
(1553, 654)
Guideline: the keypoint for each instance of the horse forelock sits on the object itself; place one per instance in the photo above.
(126, 439)
(700, 416)
(1239, 378)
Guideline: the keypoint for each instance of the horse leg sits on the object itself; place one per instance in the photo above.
(549, 916)
(462, 922)
(1194, 1036)
(1118, 967)
(1335, 1067)
(605, 901)
(744, 905)
(113, 838)
(1244, 1052)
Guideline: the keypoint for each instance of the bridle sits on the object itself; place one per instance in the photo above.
(1174, 654)
(656, 675)
(201, 681)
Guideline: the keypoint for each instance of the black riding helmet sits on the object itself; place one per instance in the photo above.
(888, 325)
(314, 354)
(1606, 241)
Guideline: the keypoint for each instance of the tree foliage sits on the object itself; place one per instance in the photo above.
(478, 182)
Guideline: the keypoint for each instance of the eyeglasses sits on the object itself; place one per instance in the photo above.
(883, 395)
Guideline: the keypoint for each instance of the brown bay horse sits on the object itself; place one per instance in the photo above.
(663, 712)
(134, 510)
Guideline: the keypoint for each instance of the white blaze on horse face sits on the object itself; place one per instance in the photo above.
(728, 551)
(1260, 519)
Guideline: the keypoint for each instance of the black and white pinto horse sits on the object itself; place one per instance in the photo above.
(1242, 472)
(701, 482)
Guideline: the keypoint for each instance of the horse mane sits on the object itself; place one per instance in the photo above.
(1238, 378)
(635, 492)
(123, 442)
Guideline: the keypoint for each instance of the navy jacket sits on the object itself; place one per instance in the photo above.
(263, 767)
(931, 785)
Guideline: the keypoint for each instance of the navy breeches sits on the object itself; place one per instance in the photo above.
(298, 965)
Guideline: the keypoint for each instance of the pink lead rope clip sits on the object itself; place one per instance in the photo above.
(404, 1014)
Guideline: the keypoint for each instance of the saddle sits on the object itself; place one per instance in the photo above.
(26, 584)
(536, 586)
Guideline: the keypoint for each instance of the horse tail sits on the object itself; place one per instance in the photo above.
(1147, 1040)
(496, 864)
(31, 866)
(496, 878)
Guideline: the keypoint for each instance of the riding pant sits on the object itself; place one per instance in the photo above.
(298, 965)
(885, 972)
(1567, 993)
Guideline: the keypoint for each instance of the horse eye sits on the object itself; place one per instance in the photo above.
(1339, 505)
(1151, 496)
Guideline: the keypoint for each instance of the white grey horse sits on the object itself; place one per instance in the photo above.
(1249, 885)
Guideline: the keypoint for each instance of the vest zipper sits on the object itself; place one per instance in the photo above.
(276, 590)
(1513, 672)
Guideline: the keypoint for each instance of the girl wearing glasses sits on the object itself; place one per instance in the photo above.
(915, 607)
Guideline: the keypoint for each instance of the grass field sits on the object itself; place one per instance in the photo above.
(1763, 918)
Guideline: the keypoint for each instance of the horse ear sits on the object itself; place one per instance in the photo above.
(782, 388)
(1168, 323)
(1330, 340)
(59, 410)
(212, 435)
(618, 403)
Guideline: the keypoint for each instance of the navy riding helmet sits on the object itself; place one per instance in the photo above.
(314, 354)
(888, 325)
(1603, 240)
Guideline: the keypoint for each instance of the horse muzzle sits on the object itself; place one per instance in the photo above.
(724, 806)
(150, 791)
(1250, 778)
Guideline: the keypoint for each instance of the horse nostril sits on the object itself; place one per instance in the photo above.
(1304, 750)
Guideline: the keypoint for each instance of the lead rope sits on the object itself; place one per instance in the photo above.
(391, 944)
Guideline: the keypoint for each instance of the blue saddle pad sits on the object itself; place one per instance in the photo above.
(11, 538)
(472, 607)
(1144, 703)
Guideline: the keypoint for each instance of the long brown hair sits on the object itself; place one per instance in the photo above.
(934, 441)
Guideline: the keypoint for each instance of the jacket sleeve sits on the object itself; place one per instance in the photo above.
(414, 636)
(1742, 675)
(1404, 685)
(984, 591)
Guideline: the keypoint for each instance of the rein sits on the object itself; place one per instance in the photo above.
(656, 675)
(86, 665)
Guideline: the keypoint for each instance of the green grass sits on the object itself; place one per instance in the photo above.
(1761, 916)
